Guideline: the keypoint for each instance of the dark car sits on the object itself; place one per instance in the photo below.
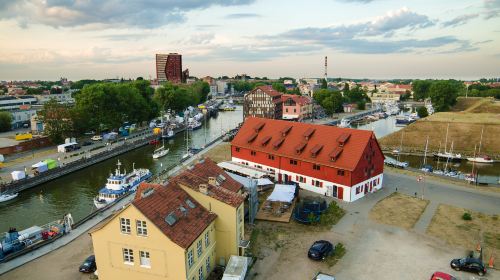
(87, 143)
(88, 265)
(320, 250)
(469, 264)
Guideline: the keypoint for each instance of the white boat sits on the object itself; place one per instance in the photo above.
(470, 178)
(120, 184)
(160, 152)
(7, 197)
(344, 123)
(483, 158)
(169, 135)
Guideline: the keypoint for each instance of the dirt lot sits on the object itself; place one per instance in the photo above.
(61, 264)
(448, 225)
(221, 152)
(398, 210)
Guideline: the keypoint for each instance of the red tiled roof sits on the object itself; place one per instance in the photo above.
(301, 100)
(269, 90)
(165, 200)
(324, 137)
(208, 168)
(146, 188)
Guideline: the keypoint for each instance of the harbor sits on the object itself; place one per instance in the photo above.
(74, 192)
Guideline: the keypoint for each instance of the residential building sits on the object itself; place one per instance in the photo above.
(263, 102)
(215, 190)
(339, 162)
(221, 87)
(169, 68)
(384, 97)
(163, 234)
(296, 107)
(178, 231)
(21, 117)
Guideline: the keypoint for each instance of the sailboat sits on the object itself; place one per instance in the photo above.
(480, 158)
(425, 166)
(188, 152)
(7, 197)
(449, 156)
(160, 152)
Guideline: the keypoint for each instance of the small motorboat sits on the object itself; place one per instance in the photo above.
(7, 197)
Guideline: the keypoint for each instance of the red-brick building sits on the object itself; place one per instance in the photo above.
(339, 162)
(169, 68)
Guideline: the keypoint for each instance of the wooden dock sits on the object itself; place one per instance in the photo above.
(270, 214)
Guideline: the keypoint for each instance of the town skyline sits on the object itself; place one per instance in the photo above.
(362, 39)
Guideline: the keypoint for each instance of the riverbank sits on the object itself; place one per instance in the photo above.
(464, 130)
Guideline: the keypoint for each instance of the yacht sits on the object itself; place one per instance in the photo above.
(344, 123)
(120, 184)
(481, 159)
(7, 197)
(160, 152)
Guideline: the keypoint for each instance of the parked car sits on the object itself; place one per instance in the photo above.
(320, 250)
(323, 276)
(88, 265)
(442, 276)
(96, 138)
(87, 143)
(469, 264)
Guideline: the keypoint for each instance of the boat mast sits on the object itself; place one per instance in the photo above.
(448, 157)
(401, 145)
(446, 139)
(480, 142)
(425, 153)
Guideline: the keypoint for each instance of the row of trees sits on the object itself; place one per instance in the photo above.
(5, 121)
(332, 100)
(443, 93)
(106, 106)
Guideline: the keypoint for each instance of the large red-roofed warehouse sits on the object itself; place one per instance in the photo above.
(339, 162)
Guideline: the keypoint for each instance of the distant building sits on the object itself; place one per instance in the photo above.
(14, 102)
(169, 68)
(343, 163)
(296, 107)
(62, 98)
(263, 102)
(221, 87)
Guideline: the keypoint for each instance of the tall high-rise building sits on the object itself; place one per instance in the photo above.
(169, 68)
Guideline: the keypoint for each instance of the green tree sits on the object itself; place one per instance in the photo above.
(421, 89)
(333, 103)
(279, 87)
(361, 105)
(405, 96)
(34, 91)
(422, 112)
(444, 94)
(5, 121)
(57, 120)
(324, 84)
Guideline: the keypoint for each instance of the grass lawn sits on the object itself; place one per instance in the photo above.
(398, 210)
(221, 152)
(449, 225)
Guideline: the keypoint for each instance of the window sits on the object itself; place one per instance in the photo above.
(199, 248)
(357, 190)
(200, 273)
(145, 261)
(125, 225)
(253, 153)
(190, 258)
(295, 110)
(316, 167)
(271, 157)
(141, 228)
(128, 256)
(293, 162)
(237, 149)
(302, 179)
(207, 239)
(340, 172)
(207, 264)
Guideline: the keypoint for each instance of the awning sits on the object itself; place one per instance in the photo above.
(282, 193)
(244, 170)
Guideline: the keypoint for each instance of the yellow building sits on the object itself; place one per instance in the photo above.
(178, 231)
(219, 193)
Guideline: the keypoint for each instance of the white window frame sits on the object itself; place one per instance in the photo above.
(125, 226)
(207, 264)
(190, 258)
(199, 248)
(128, 256)
(200, 273)
(145, 259)
(141, 227)
(207, 239)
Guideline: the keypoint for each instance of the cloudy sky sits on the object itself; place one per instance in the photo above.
(48, 39)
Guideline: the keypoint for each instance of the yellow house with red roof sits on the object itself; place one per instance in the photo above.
(178, 231)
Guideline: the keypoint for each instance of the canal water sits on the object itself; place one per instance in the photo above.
(74, 193)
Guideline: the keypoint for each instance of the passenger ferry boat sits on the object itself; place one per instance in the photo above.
(119, 184)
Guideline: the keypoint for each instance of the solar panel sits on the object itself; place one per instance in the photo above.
(147, 192)
(190, 203)
(171, 219)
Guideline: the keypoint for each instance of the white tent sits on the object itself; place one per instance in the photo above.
(18, 175)
(282, 193)
(62, 148)
(40, 166)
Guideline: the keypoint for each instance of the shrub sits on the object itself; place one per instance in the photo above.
(467, 216)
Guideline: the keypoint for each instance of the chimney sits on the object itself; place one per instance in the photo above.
(203, 188)
(212, 181)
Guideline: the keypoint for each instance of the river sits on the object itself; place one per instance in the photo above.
(74, 193)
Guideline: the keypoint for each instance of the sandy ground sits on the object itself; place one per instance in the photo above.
(398, 210)
(448, 225)
(221, 152)
(61, 264)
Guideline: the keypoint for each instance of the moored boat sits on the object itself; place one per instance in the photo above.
(448, 156)
(344, 123)
(120, 184)
(481, 159)
(7, 197)
(160, 152)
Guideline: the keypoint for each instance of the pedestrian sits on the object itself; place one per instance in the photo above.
(415, 194)
(396, 189)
